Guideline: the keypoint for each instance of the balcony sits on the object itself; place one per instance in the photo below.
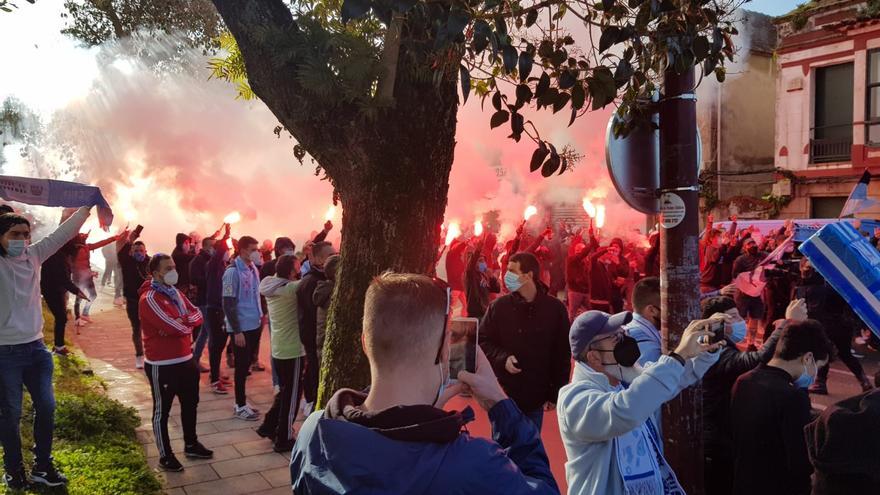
(831, 144)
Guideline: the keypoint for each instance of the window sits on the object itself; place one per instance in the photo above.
(833, 114)
(872, 115)
(827, 207)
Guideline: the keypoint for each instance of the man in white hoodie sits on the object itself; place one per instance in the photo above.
(24, 359)
(605, 413)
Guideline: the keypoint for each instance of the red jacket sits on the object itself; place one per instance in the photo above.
(166, 332)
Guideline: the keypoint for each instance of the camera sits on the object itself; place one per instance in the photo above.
(783, 269)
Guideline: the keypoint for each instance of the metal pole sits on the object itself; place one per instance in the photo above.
(679, 268)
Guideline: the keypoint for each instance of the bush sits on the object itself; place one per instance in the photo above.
(95, 444)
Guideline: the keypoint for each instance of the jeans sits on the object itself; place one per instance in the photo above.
(29, 365)
(179, 380)
(57, 303)
(243, 357)
(536, 417)
(217, 341)
(87, 285)
(131, 308)
(203, 337)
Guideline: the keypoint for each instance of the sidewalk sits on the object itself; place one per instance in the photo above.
(243, 462)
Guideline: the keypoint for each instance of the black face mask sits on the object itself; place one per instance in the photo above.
(626, 352)
(753, 250)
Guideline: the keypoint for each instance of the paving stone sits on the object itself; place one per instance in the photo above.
(278, 476)
(238, 485)
(253, 447)
(190, 476)
(251, 464)
(228, 437)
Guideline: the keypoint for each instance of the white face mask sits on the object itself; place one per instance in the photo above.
(625, 374)
(288, 252)
(16, 247)
(256, 258)
(171, 277)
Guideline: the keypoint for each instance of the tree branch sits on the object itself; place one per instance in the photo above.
(388, 61)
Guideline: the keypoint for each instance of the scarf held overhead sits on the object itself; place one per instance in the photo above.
(50, 192)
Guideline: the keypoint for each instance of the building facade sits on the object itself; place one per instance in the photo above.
(827, 104)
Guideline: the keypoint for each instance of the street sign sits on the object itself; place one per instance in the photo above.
(634, 165)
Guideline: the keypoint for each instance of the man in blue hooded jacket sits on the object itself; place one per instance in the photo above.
(396, 438)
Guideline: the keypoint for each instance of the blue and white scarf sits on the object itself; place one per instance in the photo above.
(642, 467)
(172, 293)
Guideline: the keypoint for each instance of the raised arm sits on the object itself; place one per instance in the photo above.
(100, 244)
(48, 245)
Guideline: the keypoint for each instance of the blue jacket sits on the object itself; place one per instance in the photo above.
(335, 456)
(241, 297)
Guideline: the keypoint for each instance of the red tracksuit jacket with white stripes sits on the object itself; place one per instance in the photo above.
(167, 333)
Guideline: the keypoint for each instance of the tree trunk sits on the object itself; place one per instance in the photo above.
(391, 215)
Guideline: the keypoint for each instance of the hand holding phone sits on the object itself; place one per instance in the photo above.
(137, 232)
(462, 346)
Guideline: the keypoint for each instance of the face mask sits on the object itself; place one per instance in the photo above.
(140, 257)
(256, 258)
(626, 351)
(511, 280)
(171, 277)
(16, 247)
(226, 256)
(738, 331)
(210, 251)
(482, 267)
(753, 250)
(288, 252)
(623, 373)
(806, 379)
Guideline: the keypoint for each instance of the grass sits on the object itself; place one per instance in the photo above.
(95, 444)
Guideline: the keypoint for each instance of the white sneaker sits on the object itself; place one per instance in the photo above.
(245, 412)
(139, 362)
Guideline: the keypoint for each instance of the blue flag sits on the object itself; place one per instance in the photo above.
(50, 192)
(858, 198)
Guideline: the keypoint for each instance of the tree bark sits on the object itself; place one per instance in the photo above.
(391, 173)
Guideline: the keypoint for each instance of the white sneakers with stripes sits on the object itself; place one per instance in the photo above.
(245, 412)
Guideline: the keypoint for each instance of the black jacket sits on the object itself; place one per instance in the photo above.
(55, 275)
(717, 386)
(198, 276)
(214, 276)
(308, 312)
(537, 334)
(768, 415)
(133, 273)
(182, 260)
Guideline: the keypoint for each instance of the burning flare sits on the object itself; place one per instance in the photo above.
(229, 243)
(478, 228)
(331, 212)
(232, 218)
(531, 211)
(589, 208)
(452, 232)
(600, 216)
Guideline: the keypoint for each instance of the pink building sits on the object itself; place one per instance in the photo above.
(827, 104)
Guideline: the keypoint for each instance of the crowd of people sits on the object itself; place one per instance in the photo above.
(569, 324)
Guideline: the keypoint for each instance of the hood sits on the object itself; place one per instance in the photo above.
(322, 293)
(583, 373)
(145, 286)
(844, 439)
(180, 239)
(271, 284)
(422, 423)
(282, 243)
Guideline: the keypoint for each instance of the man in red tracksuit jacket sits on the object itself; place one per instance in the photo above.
(167, 319)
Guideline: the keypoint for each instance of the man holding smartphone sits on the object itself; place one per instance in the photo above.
(397, 438)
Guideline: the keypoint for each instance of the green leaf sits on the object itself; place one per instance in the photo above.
(538, 156)
(578, 97)
(567, 79)
(523, 95)
(456, 23)
(720, 74)
(607, 4)
(551, 165)
(510, 56)
(561, 101)
(517, 126)
(465, 78)
(701, 47)
(526, 61)
(496, 100)
(482, 31)
(531, 17)
(564, 166)
(559, 57)
(499, 118)
(709, 65)
(354, 9)
(574, 114)
(548, 98)
(545, 49)
(609, 38)
(543, 85)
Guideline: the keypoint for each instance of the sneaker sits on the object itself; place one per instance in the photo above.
(198, 451)
(86, 318)
(258, 366)
(48, 476)
(139, 362)
(857, 355)
(254, 409)
(245, 413)
(17, 480)
(170, 463)
(283, 446)
(818, 388)
(62, 351)
(219, 388)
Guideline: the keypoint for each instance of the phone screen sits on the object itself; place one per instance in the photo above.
(138, 230)
(717, 330)
(462, 346)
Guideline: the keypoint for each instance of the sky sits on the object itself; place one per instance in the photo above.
(171, 148)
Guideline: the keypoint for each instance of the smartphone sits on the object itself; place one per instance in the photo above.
(462, 346)
(717, 329)
(137, 230)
